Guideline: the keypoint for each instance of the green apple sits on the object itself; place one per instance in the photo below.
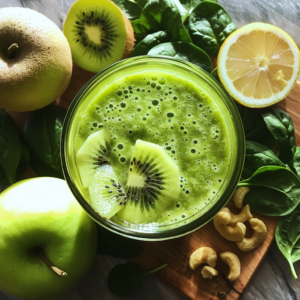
(43, 226)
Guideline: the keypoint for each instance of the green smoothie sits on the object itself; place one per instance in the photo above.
(175, 114)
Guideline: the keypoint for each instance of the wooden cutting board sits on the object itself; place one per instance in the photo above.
(176, 252)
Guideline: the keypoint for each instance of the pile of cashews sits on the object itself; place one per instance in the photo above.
(207, 255)
(232, 228)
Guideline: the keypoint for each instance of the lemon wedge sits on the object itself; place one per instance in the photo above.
(258, 64)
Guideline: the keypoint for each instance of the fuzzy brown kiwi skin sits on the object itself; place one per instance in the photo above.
(130, 40)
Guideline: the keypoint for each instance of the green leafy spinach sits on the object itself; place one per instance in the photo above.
(296, 161)
(10, 149)
(131, 9)
(24, 161)
(281, 126)
(258, 156)
(124, 279)
(288, 237)
(274, 191)
(254, 126)
(209, 25)
(166, 15)
(42, 133)
(184, 51)
(150, 41)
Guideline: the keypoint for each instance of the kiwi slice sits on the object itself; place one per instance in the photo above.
(99, 34)
(106, 194)
(94, 152)
(152, 186)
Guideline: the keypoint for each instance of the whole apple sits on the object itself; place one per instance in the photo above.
(47, 241)
(35, 60)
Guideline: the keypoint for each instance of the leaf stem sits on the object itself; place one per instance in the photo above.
(56, 270)
(135, 3)
(152, 271)
(292, 268)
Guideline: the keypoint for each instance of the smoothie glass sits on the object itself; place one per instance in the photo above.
(191, 73)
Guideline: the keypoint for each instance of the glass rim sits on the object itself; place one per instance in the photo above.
(175, 231)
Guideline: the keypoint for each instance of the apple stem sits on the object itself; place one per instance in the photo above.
(11, 50)
(56, 270)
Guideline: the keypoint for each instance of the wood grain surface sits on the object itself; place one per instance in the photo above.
(176, 252)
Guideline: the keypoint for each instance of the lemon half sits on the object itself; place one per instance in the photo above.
(258, 64)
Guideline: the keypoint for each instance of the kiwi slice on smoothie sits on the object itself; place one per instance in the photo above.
(152, 185)
(94, 152)
(99, 34)
(106, 193)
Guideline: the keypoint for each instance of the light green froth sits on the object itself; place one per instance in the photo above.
(169, 111)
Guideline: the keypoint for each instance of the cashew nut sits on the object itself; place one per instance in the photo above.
(259, 234)
(209, 272)
(222, 221)
(203, 255)
(239, 196)
(234, 264)
(242, 217)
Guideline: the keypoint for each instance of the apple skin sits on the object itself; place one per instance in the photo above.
(41, 69)
(42, 212)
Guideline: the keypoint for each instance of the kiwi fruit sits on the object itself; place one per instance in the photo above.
(152, 186)
(106, 193)
(94, 152)
(99, 34)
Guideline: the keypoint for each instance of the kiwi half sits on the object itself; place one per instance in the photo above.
(152, 186)
(94, 152)
(99, 34)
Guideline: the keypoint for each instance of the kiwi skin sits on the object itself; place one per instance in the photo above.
(130, 41)
(40, 69)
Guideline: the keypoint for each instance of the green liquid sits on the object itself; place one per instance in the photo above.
(174, 113)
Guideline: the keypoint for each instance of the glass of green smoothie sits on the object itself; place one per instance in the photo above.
(152, 147)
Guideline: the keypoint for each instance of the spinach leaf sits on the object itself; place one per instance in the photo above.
(189, 5)
(258, 156)
(10, 147)
(209, 25)
(22, 167)
(274, 191)
(150, 41)
(287, 236)
(254, 126)
(116, 245)
(140, 31)
(42, 133)
(124, 279)
(141, 3)
(214, 73)
(281, 126)
(184, 51)
(131, 9)
(24, 161)
(166, 15)
(296, 161)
